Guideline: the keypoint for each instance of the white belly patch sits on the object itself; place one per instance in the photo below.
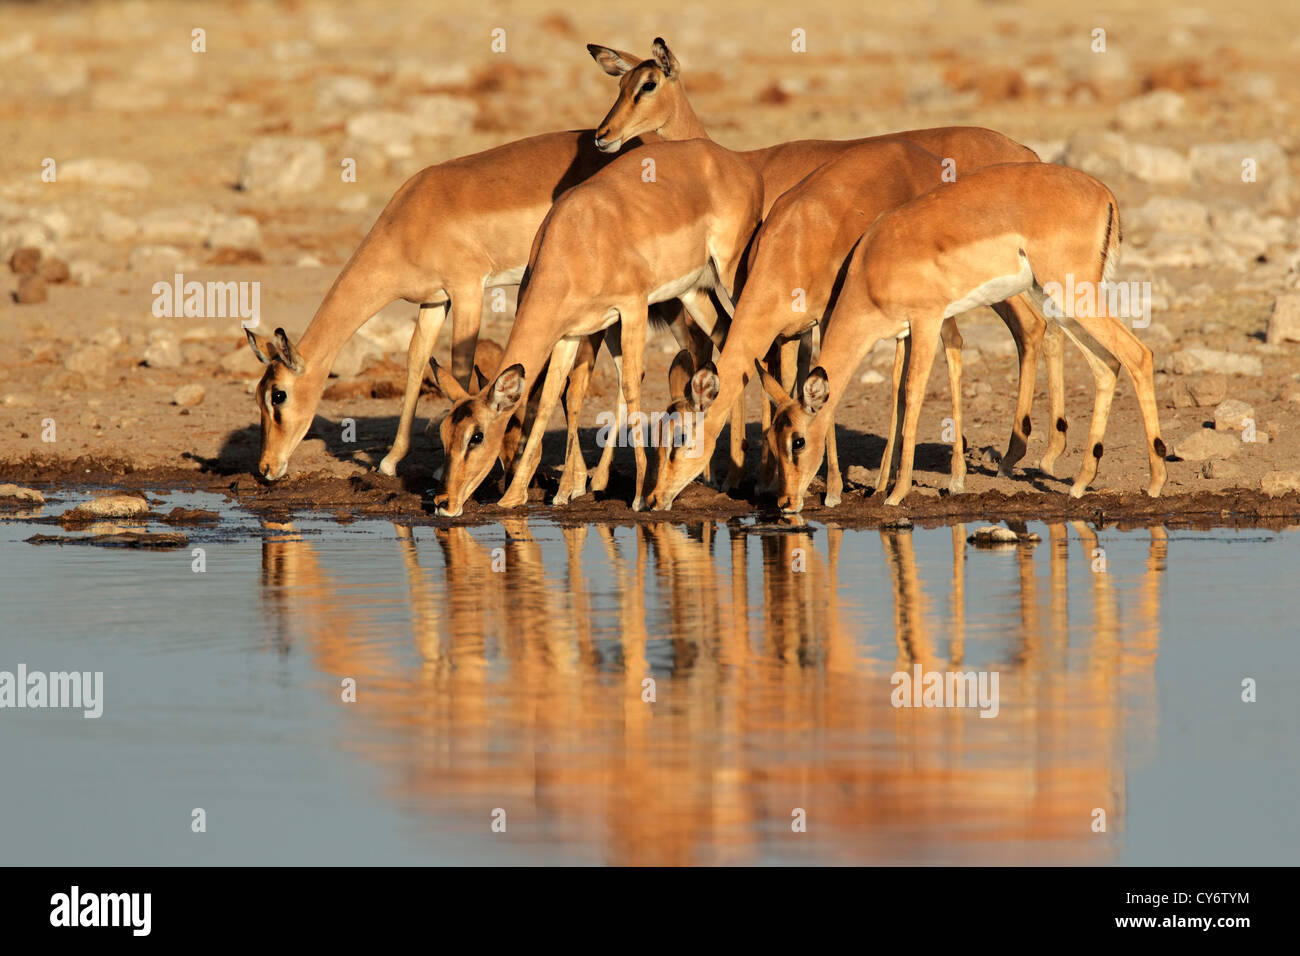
(506, 277)
(671, 290)
(994, 290)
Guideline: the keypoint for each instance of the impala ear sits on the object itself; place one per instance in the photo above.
(507, 390)
(614, 62)
(816, 390)
(262, 348)
(770, 385)
(446, 382)
(679, 375)
(704, 387)
(665, 59)
(288, 354)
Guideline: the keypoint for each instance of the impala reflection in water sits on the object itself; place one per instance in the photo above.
(669, 694)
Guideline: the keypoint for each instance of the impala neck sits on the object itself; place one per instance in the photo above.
(349, 304)
(683, 123)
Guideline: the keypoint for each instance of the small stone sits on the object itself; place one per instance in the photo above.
(1157, 108)
(1284, 322)
(184, 225)
(25, 261)
(334, 92)
(1222, 162)
(114, 227)
(163, 351)
(164, 259)
(1220, 469)
(11, 492)
(440, 114)
(1280, 482)
(108, 506)
(87, 360)
(1206, 443)
(1163, 214)
(872, 377)
(235, 232)
(386, 131)
(993, 535)
(858, 475)
(1194, 361)
(1208, 389)
(283, 164)
(1230, 415)
(242, 362)
(188, 395)
(31, 289)
(55, 270)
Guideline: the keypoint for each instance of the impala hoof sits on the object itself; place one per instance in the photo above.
(389, 466)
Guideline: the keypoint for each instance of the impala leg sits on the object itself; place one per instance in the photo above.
(633, 323)
(697, 337)
(466, 317)
(834, 480)
(427, 326)
(888, 461)
(1027, 329)
(1105, 370)
(573, 483)
(1054, 356)
(600, 477)
(952, 343)
(557, 373)
(766, 466)
(920, 358)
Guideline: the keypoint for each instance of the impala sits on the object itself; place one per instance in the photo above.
(1000, 231)
(607, 250)
(652, 99)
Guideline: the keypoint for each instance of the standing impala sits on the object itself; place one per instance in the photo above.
(670, 220)
(652, 98)
(1000, 231)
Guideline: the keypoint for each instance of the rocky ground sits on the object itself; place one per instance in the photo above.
(131, 156)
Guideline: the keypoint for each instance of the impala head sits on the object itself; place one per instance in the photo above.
(287, 403)
(797, 438)
(647, 93)
(474, 433)
(682, 448)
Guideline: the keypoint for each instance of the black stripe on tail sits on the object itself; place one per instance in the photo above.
(1105, 242)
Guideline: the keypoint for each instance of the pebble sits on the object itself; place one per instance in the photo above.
(1280, 482)
(164, 351)
(1193, 361)
(1284, 321)
(1206, 443)
(88, 359)
(108, 506)
(282, 164)
(1229, 416)
(872, 377)
(31, 289)
(1218, 468)
(235, 232)
(440, 114)
(858, 475)
(25, 260)
(11, 492)
(188, 395)
(384, 130)
(1157, 108)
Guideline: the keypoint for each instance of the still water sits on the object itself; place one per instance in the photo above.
(502, 676)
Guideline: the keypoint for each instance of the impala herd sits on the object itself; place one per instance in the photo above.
(791, 262)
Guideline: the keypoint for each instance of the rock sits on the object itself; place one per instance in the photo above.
(199, 355)
(872, 377)
(1193, 361)
(54, 270)
(1218, 468)
(107, 506)
(383, 130)
(242, 362)
(25, 261)
(110, 337)
(188, 395)
(282, 164)
(31, 289)
(1208, 390)
(235, 232)
(114, 227)
(88, 360)
(17, 400)
(84, 271)
(992, 535)
(1108, 155)
(110, 173)
(1279, 482)
(115, 538)
(1157, 108)
(347, 92)
(858, 475)
(1284, 321)
(1163, 214)
(1230, 415)
(186, 225)
(1222, 162)
(164, 351)
(1182, 395)
(1205, 443)
(11, 493)
(440, 114)
(162, 259)
(1170, 250)
(357, 355)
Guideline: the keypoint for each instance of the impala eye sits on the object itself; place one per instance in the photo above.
(798, 443)
(649, 87)
(278, 396)
(475, 439)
